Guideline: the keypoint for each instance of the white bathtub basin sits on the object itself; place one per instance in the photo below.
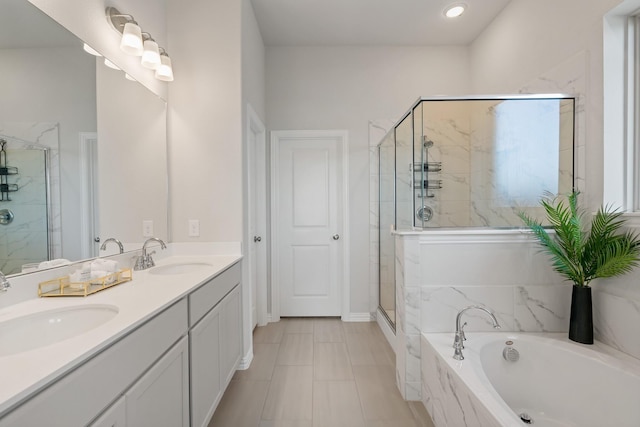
(179, 268)
(48, 327)
(555, 382)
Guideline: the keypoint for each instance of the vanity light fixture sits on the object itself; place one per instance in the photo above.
(164, 72)
(131, 42)
(90, 50)
(455, 10)
(151, 54)
(138, 43)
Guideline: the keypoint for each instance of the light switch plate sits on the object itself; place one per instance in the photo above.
(194, 228)
(147, 228)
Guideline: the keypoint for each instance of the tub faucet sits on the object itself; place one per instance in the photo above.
(145, 260)
(4, 283)
(103, 246)
(458, 340)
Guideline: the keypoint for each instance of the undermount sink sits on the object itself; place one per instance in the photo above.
(48, 327)
(179, 268)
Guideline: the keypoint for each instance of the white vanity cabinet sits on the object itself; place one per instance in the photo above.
(161, 396)
(78, 397)
(115, 416)
(215, 341)
(170, 371)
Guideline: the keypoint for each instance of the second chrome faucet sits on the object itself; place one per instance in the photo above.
(145, 260)
(459, 338)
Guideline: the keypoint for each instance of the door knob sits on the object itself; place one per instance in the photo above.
(336, 237)
(257, 239)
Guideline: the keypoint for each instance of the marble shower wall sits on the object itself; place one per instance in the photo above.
(498, 157)
(26, 239)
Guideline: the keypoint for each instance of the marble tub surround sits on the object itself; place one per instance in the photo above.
(137, 301)
(440, 272)
(485, 390)
(616, 312)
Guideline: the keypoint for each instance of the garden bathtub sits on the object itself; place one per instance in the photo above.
(555, 382)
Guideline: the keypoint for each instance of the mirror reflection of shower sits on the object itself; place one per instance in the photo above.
(25, 222)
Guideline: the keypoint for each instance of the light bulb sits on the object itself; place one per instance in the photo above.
(151, 55)
(164, 72)
(131, 42)
(454, 11)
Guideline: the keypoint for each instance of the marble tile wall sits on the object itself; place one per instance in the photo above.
(25, 239)
(447, 399)
(439, 273)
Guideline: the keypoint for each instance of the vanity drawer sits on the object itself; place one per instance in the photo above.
(211, 293)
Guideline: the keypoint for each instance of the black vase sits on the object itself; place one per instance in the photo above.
(581, 323)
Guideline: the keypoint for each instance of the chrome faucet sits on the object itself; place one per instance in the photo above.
(4, 283)
(103, 246)
(458, 340)
(145, 260)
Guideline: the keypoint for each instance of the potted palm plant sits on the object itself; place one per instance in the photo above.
(582, 252)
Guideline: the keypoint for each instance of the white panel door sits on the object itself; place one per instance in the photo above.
(309, 224)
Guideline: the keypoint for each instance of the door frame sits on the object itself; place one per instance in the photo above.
(343, 137)
(89, 219)
(258, 151)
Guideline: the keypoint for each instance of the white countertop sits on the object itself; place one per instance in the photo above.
(139, 300)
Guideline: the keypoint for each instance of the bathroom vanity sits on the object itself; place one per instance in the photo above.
(164, 359)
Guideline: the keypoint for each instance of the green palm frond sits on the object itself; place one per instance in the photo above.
(582, 253)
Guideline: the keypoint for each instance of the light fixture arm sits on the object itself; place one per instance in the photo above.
(117, 19)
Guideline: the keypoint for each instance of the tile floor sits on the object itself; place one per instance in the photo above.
(318, 373)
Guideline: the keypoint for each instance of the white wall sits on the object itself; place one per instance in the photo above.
(345, 88)
(205, 119)
(253, 62)
(531, 38)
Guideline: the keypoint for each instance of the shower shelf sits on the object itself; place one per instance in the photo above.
(8, 170)
(8, 188)
(429, 184)
(427, 167)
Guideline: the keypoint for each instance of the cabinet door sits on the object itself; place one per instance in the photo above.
(115, 416)
(206, 385)
(161, 397)
(231, 339)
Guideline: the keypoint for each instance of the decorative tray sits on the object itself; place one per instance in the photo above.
(64, 287)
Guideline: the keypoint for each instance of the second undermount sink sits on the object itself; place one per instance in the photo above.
(179, 268)
(48, 327)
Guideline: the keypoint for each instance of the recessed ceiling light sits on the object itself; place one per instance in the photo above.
(454, 11)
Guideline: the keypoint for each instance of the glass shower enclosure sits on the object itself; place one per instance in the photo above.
(470, 162)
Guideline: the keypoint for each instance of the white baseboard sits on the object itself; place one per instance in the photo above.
(245, 362)
(359, 317)
(389, 333)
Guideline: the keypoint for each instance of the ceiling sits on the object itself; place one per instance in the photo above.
(371, 22)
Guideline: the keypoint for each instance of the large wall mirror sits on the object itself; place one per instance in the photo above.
(85, 154)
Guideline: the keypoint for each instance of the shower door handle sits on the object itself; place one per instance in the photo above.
(336, 237)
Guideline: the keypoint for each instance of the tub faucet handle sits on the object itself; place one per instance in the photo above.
(459, 338)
